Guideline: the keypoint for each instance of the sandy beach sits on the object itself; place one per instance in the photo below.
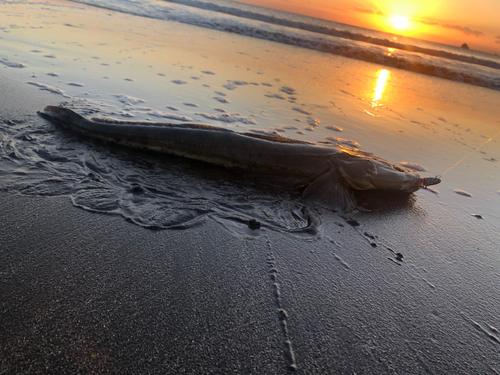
(405, 285)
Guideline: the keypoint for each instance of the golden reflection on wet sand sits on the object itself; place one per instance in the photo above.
(383, 75)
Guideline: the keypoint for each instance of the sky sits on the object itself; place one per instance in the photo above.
(454, 22)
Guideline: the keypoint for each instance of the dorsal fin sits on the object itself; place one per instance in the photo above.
(275, 138)
(185, 126)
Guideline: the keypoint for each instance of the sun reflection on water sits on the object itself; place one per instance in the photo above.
(383, 75)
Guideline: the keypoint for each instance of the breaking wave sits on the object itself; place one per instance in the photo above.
(418, 56)
(361, 35)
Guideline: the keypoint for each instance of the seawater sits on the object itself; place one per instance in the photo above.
(411, 54)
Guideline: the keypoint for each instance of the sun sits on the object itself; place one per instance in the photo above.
(400, 22)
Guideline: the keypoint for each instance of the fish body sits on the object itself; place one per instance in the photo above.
(330, 171)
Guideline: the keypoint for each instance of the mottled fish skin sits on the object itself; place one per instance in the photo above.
(326, 169)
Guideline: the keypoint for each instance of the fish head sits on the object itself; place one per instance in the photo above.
(429, 181)
(365, 171)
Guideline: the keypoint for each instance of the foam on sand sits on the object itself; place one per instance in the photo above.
(129, 100)
(302, 110)
(171, 116)
(276, 96)
(344, 142)
(221, 99)
(12, 64)
(413, 166)
(228, 117)
(334, 128)
(43, 86)
(288, 90)
(463, 192)
(313, 121)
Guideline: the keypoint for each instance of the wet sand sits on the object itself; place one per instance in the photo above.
(410, 286)
(87, 292)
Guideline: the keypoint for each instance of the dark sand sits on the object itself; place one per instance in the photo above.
(82, 292)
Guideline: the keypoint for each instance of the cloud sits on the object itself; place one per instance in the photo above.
(463, 29)
(425, 22)
(369, 11)
(497, 37)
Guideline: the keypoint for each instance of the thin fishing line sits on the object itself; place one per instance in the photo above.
(466, 156)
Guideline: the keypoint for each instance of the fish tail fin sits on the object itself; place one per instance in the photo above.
(329, 190)
(60, 115)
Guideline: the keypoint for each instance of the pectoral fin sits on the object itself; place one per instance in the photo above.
(329, 191)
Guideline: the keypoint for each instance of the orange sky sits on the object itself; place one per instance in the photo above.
(475, 22)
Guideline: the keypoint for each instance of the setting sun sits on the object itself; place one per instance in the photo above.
(400, 22)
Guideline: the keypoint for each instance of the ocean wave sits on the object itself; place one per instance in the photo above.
(461, 68)
(336, 32)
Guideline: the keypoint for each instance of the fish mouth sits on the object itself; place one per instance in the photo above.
(429, 181)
